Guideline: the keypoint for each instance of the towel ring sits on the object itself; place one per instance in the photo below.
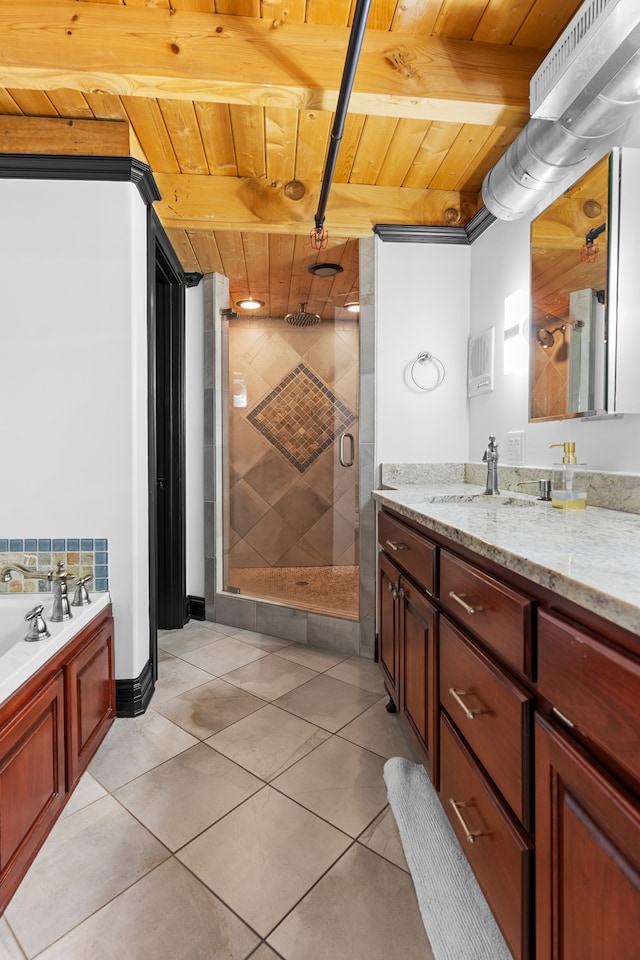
(423, 359)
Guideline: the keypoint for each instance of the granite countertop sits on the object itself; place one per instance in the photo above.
(591, 556)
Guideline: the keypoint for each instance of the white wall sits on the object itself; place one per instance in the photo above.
(194, 438)
(422, 304)
(73, 381)
(500, 264)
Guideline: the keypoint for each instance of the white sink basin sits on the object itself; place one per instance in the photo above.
(484, 500)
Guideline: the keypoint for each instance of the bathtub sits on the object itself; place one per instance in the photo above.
(18, 659)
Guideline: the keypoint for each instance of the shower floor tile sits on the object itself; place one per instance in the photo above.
(332, 590)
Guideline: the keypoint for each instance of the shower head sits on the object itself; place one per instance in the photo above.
(302, 317)
(545, 337)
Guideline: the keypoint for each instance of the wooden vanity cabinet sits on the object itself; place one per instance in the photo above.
(419, 672)
(489, 610)
(407, 632)
(587, 855)
(389, 625)
(536, 751)
(492, 713)
(414, 553)
(49, 730)
(587, 793)
(594, 684)
(485, 655)
(499, 850)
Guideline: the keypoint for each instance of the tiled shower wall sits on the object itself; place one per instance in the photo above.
(549, 378)
(81, 557)
(293, 392)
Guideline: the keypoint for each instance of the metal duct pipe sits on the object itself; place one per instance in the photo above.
(546, 151)
(346, 85)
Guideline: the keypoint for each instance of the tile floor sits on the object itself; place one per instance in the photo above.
(244, 815)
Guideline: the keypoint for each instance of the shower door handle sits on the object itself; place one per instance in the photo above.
(343, 460)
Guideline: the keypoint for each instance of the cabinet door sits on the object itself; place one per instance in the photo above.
(587, 856)
(32, 782)
(388, 651)
(90, 699)
(418, 684)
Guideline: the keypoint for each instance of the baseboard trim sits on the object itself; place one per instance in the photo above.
(195, 608)
(133, 696)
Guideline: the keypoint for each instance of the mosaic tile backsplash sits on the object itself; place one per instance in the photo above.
(301, 417)
(81, 557)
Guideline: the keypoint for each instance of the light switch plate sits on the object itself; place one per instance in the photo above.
(515, 446)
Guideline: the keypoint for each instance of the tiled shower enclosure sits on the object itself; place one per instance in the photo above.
(291, 503)
(271, 501)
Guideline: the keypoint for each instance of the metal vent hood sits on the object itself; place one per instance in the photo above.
(584, 91)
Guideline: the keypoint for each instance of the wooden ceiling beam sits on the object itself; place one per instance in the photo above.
(183, 55)
(46, 135)
(255, 204)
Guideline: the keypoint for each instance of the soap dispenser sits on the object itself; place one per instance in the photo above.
(568, 487)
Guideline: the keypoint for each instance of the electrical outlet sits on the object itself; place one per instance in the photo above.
(515, 446)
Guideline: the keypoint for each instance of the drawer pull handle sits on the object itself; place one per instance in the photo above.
(562, 717)
(471, 835)
(457, 696)
(465, 606)
(397, 545)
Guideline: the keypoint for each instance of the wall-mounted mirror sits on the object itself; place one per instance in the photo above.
(585, 296)
(570, 245)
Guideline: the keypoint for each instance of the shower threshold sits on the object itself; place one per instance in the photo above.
(330, 590)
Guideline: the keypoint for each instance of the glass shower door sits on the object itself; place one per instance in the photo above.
(291, 504)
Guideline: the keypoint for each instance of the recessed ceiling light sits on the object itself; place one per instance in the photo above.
(325, 269)
(353, 307)
(248, 303)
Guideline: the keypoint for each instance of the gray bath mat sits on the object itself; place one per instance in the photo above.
(456, 916)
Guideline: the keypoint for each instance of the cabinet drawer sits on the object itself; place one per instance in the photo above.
(501, 853)
(414, 553)
(492, 713)
(594, 686)
(491, 611)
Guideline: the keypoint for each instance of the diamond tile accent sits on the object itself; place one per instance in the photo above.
(301, 417)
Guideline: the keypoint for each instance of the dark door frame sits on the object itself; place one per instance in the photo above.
(166, 283)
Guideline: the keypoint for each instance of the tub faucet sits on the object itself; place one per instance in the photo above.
(61, 609)
(57, 578)
(29, 573)
(490, 457)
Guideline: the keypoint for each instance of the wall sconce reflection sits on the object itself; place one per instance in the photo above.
(516, 350)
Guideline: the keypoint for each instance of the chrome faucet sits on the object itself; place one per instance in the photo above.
(61, 608)
(490, 457)
(57, 578)
(29, 573)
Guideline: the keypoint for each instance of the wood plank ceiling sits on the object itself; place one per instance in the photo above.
(231, 104)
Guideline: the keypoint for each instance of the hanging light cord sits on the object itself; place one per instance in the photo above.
(351, 62)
